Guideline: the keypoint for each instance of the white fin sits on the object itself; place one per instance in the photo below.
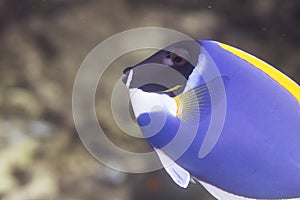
(223, 195)
(179, 175)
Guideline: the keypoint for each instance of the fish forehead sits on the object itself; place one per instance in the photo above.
(192, 47)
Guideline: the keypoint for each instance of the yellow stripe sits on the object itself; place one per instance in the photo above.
(279, 77)
(173, 88)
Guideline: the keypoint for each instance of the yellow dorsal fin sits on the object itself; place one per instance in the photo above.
(287, 83)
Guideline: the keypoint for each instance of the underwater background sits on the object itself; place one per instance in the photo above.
(43, 43)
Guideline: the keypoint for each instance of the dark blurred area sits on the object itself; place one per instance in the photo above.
(43, 43)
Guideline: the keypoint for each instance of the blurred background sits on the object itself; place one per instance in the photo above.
(43, 43)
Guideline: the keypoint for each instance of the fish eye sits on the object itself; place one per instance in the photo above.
(177, 59)
(178, 56)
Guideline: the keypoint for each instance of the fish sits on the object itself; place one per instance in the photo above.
(221, 117)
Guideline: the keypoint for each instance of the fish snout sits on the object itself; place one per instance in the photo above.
(127, 69)
(125, 74)
(125, 78)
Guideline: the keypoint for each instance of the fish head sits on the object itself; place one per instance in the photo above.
(165, 72)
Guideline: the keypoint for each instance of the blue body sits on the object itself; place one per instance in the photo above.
(258, 152)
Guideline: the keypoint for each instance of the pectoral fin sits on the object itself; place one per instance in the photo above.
(198, 101)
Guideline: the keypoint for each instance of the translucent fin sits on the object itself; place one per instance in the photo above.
(197, 101)
(179, 175)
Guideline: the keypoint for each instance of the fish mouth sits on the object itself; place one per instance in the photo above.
(126, 74)
(125, 78)
(127, 69)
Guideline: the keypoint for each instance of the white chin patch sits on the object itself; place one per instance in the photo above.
(146, 102)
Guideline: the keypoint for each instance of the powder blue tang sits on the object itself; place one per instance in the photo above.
(257, 155)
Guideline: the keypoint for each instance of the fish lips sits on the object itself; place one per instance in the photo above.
(126, 74)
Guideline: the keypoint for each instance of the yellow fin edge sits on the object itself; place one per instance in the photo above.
(173, 88)
(287, 83)
(179, 107)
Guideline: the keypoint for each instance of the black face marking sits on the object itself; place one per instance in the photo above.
(181, 56)
(153, 87)
(127, 69)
